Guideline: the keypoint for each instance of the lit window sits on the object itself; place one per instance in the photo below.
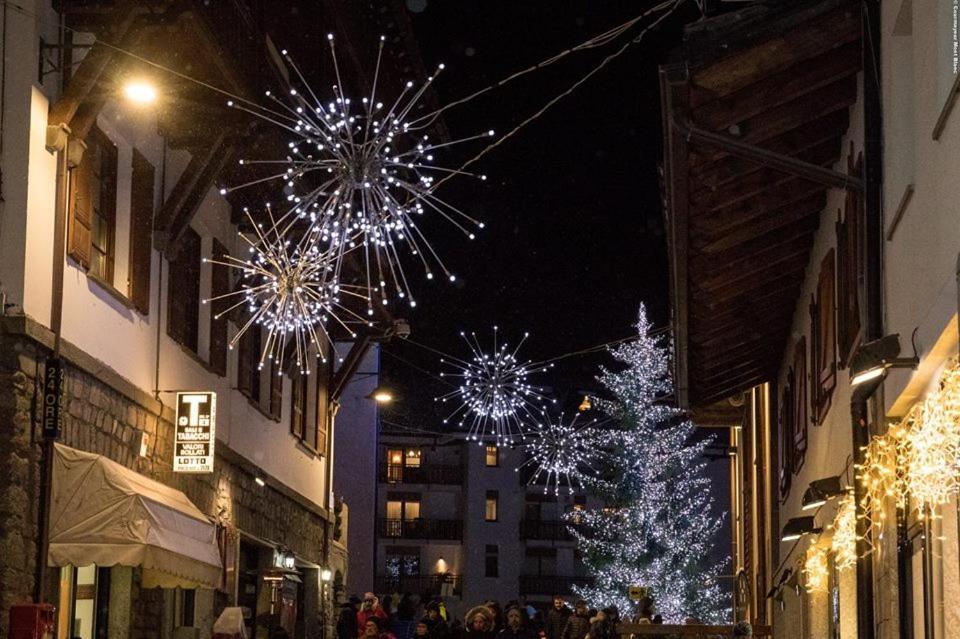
(490, 513)
(413, 458)
(493, 452)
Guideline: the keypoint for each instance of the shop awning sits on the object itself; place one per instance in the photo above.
(105, 514)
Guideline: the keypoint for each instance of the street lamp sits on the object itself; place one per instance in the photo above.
(381, 394)
(325, 576)
(820, 491)
(798, 527)
(141, 92)
(870, 363)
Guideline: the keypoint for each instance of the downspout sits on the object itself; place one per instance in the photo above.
(873, 213)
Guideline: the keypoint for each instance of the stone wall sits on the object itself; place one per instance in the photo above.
(100, 418)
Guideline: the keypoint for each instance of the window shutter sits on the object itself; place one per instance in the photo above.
(248, 362)
(183, 292)
(298, 412)
(219, 285)
(141, 231)
(108, 195)
(276, 391)
(849, 265)
(823, 340)
(785, 432)
(798, 408)
(81, 209)
(323, 403)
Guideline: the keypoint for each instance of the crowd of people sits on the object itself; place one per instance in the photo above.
(406, 617)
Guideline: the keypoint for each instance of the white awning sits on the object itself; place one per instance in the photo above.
(106, 514)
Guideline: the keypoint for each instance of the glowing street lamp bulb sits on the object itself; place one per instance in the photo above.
(140, 92)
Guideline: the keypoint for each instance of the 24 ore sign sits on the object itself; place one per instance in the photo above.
(195, 433)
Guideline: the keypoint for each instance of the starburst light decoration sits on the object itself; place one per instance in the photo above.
(561, 451)
(364, 173)
(494, 395)
(289, 289)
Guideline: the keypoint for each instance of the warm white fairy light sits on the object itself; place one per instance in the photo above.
(561, 451)
(288, 288)
(363, 172)
(843, 544)
(494, 394)
(816, 569)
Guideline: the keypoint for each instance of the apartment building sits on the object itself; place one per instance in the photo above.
(457, 520)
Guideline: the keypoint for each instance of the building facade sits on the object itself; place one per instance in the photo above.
(109, 212)
(457, 520)
(808, 185)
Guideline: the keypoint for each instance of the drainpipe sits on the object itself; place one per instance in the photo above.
(873, 209)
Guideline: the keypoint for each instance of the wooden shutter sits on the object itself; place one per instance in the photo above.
(798, 405)
(324, 374)
(276, 391)
(107, 186)
(248, 362)
(141, 232)
(785, 433)
(823, 340)
(298, 405)
(849, 266)
(80, 218)
(183, 292)
(219, 285)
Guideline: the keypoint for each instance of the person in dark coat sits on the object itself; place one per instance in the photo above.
(556, 618)
(347, 620)
(578, 624)
(516, 627)
(436, 626)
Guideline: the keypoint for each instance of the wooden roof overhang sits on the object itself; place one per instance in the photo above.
(754, 111)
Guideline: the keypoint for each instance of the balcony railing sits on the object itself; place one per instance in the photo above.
(425, 474)
(445, 529)
(427, 586)
(545, 530)
(551, 584)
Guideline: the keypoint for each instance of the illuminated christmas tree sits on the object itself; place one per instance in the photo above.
(657, 527)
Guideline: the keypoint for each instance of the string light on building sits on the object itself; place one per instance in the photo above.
(364, 172)
(816, 569)
(561, 451)
(289, 289)
(494, 395)
(844, 541)
(881, 476)
(932, 444)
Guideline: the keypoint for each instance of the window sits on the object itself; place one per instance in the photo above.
(188, 606)
(219, 285)
(849, 266)
(540, 561)
(183, 292)
(403, 509)
(823, 341)
(492, 456)
(412, 458)
(492, 563)
(93, 219)
(402, 562)
(490, 511)
(141, 232)
(400, 458)
(579, 505)
(84, 598)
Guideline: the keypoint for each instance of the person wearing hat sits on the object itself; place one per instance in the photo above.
(479, 623)
(369, 608)
(436, 626)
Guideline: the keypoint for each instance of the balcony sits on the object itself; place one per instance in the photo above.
(425, 474)
(548, 530)
(441, 529)
(427, 586)
(551, 584)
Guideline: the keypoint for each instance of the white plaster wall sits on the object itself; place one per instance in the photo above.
(921, 258)
(829, 445)
(106, 327)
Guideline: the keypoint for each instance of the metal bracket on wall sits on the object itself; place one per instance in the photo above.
(47, 65)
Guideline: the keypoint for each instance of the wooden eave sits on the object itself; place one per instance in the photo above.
(780, 78)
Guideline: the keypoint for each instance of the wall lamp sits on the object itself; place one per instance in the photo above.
(871, 361)
(822, 490)
(798, 527)
(381, 394)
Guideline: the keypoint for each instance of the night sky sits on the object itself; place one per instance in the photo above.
(574, 225)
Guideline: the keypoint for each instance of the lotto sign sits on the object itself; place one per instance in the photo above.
(196, 432)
